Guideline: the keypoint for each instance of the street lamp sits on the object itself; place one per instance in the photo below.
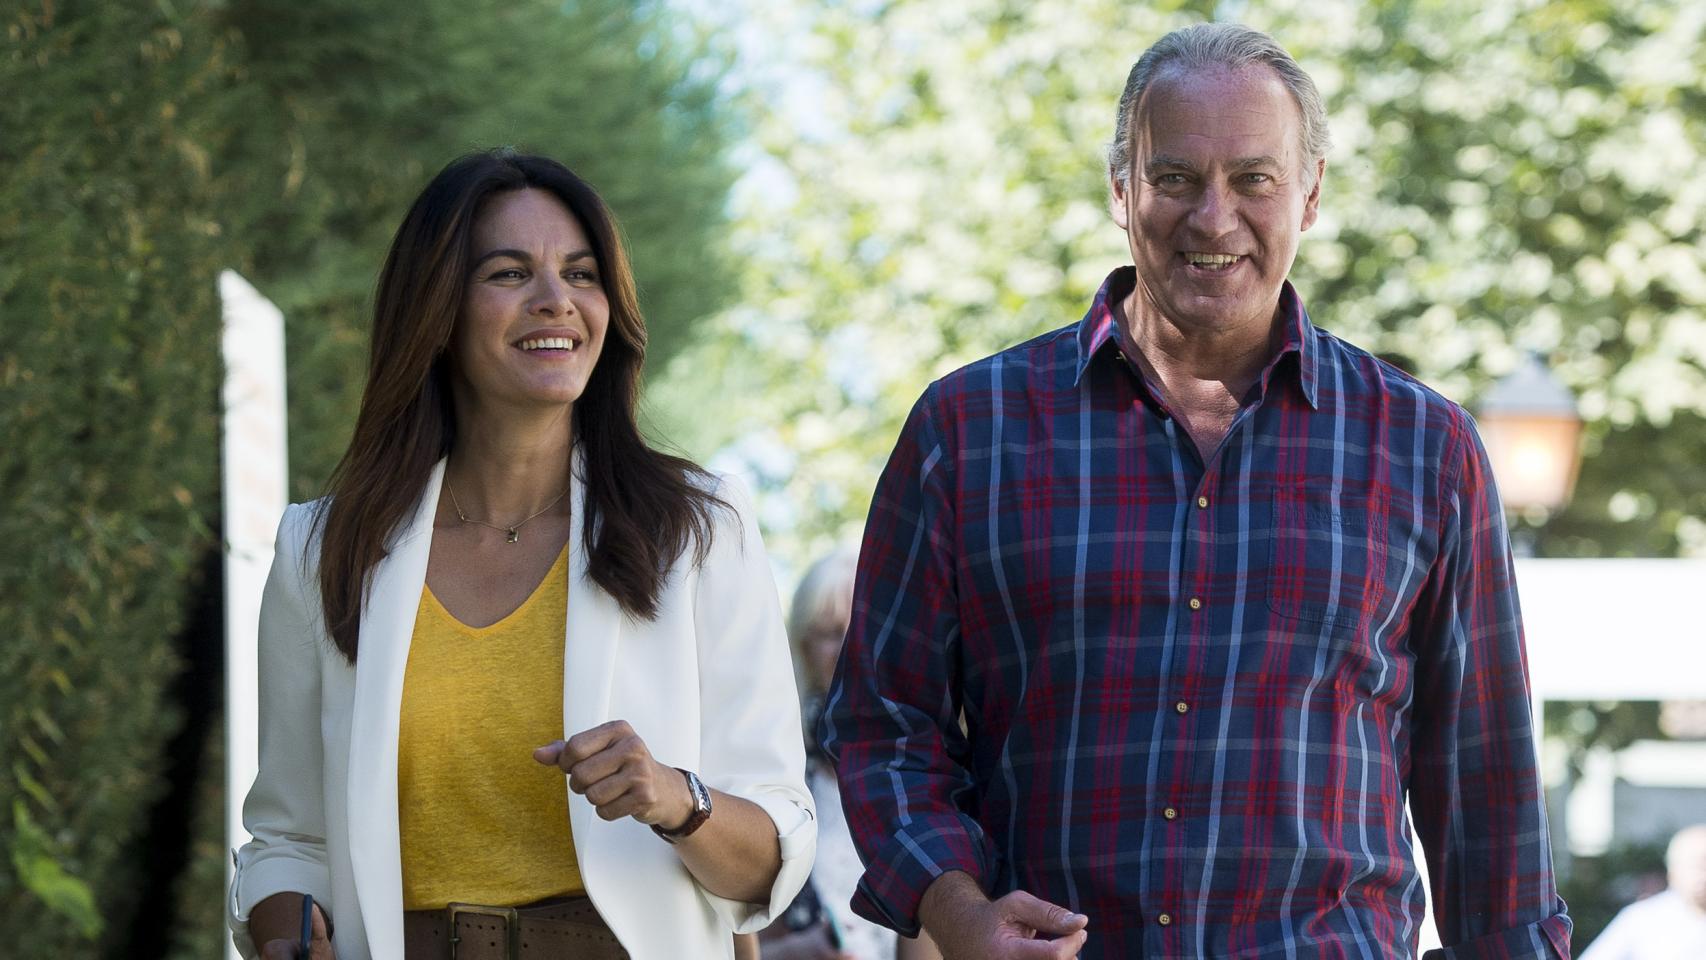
(1533, 436)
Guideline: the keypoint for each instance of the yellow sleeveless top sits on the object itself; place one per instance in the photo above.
(480, 820)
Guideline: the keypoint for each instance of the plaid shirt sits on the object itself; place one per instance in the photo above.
(1189, 696)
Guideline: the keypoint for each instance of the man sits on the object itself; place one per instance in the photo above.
(1161, 617)
(1669, 925)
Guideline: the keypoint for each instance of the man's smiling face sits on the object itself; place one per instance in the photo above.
(1219, 194)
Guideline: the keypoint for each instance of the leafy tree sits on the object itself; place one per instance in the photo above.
(1506, 177)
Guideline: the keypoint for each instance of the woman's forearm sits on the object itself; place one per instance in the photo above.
(736, 853)
(278, 917)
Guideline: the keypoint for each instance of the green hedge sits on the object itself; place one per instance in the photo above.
(109, 329)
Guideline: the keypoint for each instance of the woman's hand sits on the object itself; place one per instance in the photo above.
(284, 948)
(736, 854)
(611, 767)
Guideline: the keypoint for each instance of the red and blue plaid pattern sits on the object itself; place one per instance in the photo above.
(1186, 696)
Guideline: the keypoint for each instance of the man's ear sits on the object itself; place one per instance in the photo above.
(1312, 204)
(1117, 196)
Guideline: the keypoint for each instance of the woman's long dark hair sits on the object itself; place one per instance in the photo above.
(643, 507)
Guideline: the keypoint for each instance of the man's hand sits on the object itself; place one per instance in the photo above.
(611, 767)
(320, 946)
(967, 925)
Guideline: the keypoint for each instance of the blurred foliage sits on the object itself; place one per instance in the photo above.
(143, 147)
(109, 327)
(1583, 726)
(1598, 887)
(36, 863)
(1506, 176)
(198, 930)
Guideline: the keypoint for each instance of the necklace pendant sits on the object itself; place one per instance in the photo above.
(513, 536)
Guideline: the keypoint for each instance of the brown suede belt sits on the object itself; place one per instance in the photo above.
(567, 929)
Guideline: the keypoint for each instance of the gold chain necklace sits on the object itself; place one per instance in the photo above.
(510, 529)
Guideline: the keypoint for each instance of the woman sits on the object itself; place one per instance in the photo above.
(820, 925)
(516, 658)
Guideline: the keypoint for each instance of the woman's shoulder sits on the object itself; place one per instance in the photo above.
(300, 520)
(299, 532)
(716, 482)
(730, 495)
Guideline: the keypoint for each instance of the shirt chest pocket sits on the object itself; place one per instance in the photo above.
(1322, 567)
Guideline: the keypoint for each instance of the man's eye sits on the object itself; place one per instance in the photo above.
(1257, 178)
(1170, 179)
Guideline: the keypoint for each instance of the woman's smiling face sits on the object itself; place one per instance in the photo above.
(534, 314)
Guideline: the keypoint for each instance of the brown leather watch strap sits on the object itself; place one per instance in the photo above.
(701, 809)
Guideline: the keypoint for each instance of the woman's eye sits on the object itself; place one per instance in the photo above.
(582, 276)
(507, 274)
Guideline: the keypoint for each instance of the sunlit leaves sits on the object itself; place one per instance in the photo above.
(1506, 177)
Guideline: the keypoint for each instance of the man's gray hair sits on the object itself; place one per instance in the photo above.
(1228, 45)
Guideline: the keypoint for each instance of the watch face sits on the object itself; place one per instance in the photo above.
(701, 796)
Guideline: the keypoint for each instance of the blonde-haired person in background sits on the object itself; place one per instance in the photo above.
(820, 925)
(1665, 926)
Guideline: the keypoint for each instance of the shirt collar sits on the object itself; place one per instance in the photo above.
(1101, 326)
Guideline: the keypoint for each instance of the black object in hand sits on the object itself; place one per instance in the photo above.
(302, 949)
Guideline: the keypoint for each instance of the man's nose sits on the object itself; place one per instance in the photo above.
(1215, 213)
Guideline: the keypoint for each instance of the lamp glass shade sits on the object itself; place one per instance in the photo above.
(1535, 457)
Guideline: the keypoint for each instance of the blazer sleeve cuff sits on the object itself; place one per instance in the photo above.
(254, 880)
(1548, 939)
(796, 834)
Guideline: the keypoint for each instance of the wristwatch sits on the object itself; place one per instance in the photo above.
(701, 809)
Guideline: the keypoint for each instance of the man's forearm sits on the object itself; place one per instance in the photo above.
(949, 902)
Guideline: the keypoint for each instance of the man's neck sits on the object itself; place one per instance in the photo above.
(1187, 358)
(1203, 375)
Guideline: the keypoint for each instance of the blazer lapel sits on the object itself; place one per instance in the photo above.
(387, 624)
(592, 629)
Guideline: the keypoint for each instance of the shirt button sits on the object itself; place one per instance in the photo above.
(1164, 919)
(1170, 813)
(1196, 604)
(1202, 502)
(1181, 706)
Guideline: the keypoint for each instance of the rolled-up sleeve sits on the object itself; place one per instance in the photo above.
(891, 723)
(285, 809)
(752, 745)
(1476, 789)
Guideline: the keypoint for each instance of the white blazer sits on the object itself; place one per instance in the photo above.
(708, 685)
